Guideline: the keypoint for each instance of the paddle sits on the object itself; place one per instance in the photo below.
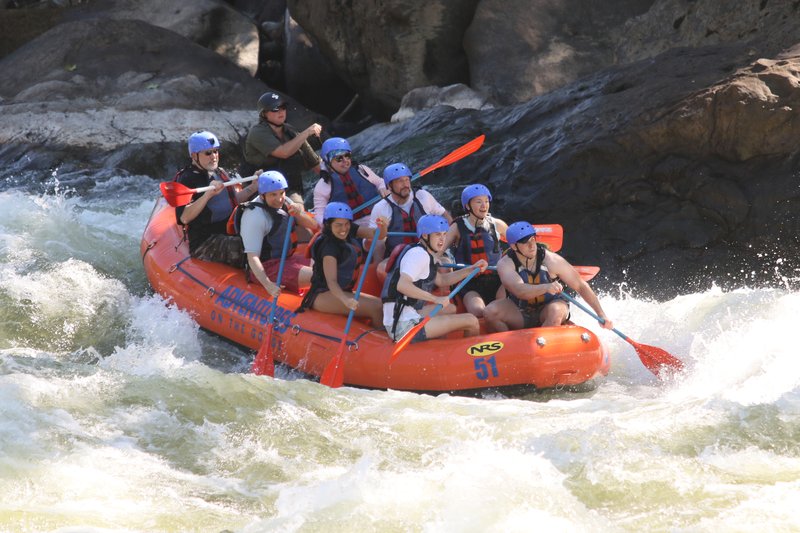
(457, 154)
(550, 234)
(655, 359)
(586, 272)
(405, 339)
(264, 363)
(333, 375)
(178, 194)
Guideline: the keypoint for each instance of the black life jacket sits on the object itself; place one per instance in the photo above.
(272, 245)
(389, 292)
(347, 269)
(220, 206)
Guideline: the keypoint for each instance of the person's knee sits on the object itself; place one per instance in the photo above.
(477, 307)
(491, 312)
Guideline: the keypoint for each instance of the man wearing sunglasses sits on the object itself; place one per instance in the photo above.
(274, 144)
(532, 276)
(205, 218)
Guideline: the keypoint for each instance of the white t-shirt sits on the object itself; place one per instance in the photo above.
(416, 264)
(322, 192)
(426, 199)
(254, 226)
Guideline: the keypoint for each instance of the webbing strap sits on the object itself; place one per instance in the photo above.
(255, 312)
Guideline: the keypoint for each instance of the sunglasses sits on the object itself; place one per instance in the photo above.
(279, 108)
(209, 153)
(340, 158)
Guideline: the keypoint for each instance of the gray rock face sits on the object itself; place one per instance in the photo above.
(518, 50)
(209, 23)
(458, 96)
(670, 167)
(385, 48)
(664, 183)
(102, 88)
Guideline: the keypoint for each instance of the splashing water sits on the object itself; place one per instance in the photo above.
(117, 413)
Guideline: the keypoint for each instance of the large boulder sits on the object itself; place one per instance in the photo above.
(209, 23)
(383, 49)
(670, 173)
(124, 92)
(518, 50)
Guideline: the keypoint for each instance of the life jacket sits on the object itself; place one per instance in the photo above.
(272, 245)
(536, 277)
(347, 270)
(403, 222)
(475, 245)
(219, 205)
(389, 292)
(352, 189)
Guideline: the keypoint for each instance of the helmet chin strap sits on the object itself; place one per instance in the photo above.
(427, 242)
(518, 251)
(478, 220)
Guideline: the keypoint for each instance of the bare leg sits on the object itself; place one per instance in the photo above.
(555, 313)
(474, 304)
(368, 307)
(442, 325)
(304, 276)
(503, 315)
(380, 271)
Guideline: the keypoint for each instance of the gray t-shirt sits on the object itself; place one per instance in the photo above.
(254, 226)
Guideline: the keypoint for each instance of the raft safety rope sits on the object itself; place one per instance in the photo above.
(296, 328)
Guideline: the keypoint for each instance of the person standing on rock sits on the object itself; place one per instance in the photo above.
(532, 276)
(274, 144)
(205, 217)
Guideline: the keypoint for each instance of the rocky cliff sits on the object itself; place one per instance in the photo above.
(660, 133)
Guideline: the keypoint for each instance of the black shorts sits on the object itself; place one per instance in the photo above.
(486, 285)
(220, 248)
(532, 315)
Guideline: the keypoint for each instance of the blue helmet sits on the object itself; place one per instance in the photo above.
(334, 146)
(271, 180)
(518, 231)
(471, 191)
(428, 224)
(394, 171)
(202, 140)
(338, 210)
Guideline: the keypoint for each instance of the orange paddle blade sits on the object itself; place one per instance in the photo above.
(550, 234)
(459, 153)
(333, 375)
(656, 359)
(264, 364)
(410, 334)
(587, 272)
(176, 194)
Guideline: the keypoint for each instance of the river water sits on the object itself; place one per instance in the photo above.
(118, 414)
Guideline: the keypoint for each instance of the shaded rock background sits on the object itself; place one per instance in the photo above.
(660, 133)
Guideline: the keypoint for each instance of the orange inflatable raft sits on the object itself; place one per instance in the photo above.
(223, 302)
